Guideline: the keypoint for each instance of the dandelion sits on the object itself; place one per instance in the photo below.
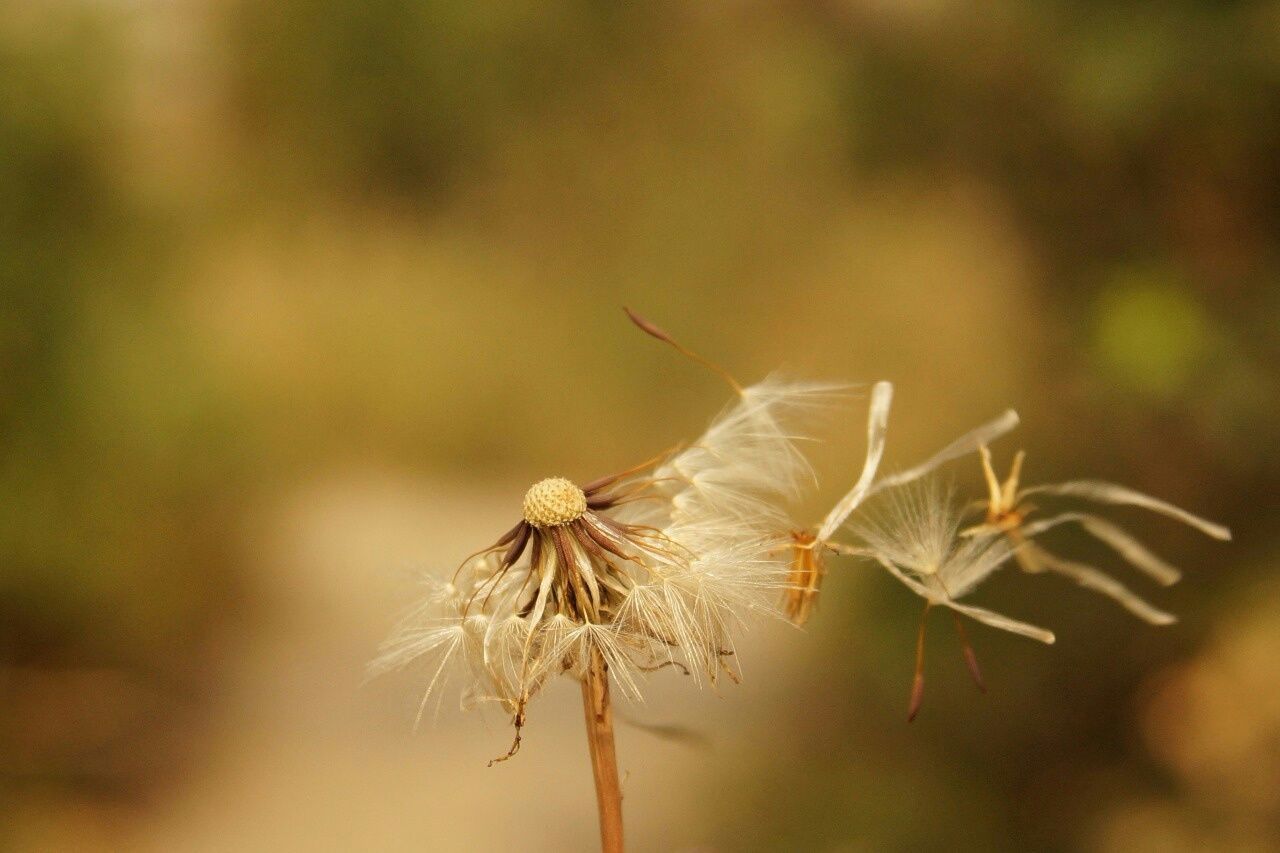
(609, 580)
(1008, 511)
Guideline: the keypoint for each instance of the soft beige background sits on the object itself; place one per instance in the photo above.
(300, 297)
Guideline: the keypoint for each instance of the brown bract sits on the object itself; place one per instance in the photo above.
(804, 579)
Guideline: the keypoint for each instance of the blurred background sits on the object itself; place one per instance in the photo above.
(299, 297)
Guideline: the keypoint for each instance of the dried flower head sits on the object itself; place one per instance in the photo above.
(633, 572)
(1008, 512)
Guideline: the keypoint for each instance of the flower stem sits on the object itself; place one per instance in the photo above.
(604, 760)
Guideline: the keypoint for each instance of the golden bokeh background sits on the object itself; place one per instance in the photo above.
(299, 296)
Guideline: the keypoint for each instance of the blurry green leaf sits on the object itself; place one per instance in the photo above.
(1148, 334)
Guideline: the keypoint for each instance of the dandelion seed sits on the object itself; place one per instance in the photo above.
(1007, 512)
(808, 548)
(918, 545)
(917, 540)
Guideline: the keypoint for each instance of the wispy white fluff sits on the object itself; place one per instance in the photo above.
(748, 463)
(965, 444)
(915, 536)
(1111, 493)
(1008, 511)
(691, 549)
(1112, 534)
(1035, 558)
(877, 433)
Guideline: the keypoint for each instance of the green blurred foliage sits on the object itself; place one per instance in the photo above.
(245, 245)
(1151, 337)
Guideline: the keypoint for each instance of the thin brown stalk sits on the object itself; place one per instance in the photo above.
(917, 683)
(654, 331)
(604, 760)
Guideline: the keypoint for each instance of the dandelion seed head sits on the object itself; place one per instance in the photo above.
(654, 567)
(554, 502)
